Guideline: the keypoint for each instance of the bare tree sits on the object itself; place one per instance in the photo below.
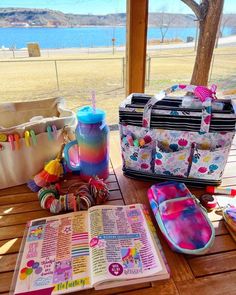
(226, 20)
(218, 34)
(208, 13)
(165, 22)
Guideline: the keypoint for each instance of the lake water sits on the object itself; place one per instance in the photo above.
(83, 37)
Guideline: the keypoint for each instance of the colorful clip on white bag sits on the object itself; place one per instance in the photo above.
(30, 136)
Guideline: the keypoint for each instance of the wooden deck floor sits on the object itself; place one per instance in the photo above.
(210, 274)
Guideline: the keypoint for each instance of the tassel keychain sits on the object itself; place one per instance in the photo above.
(50, 174)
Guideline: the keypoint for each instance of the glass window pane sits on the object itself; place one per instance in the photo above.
(81, 47)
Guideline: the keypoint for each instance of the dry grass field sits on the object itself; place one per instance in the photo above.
(24, 78)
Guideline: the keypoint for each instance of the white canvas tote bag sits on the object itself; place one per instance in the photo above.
(30, 135)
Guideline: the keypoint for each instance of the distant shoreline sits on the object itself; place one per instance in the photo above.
(224, 41)
(62, 27)
(90, 37)
(12, 17)
(82, 26)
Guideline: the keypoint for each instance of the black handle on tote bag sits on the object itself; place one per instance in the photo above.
(205, 94)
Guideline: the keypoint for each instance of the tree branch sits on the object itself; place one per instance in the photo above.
(194, 6)
(200, 10)
(204, 9)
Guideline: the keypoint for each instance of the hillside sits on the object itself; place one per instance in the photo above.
(25, 17)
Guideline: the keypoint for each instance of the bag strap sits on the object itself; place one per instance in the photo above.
(203, 93)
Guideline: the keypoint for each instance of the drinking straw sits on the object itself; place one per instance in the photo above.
(94, 101)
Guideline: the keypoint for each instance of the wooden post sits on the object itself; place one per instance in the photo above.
(33, 49)
(137, 21)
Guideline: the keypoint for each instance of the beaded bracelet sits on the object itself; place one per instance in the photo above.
(84, 196)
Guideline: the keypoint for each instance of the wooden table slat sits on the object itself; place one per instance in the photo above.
(15, 190)
(111, 178)
(115, 202)
(222, 244)
(23, 218)
(20, 208)
(10, 246)
(115, 195)
(220, 284)
(118, 290)
(8, 262)
(18, 198)
(219, 227)
(146, 287)
(213, 264)
(5, 279)
(164, 287)
(113, 186)
(12, 231)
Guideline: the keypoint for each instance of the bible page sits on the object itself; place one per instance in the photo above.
(121, 247)
(56, 255)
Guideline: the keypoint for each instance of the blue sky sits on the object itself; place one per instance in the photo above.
(106, 6)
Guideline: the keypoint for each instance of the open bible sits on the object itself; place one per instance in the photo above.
(104, 247)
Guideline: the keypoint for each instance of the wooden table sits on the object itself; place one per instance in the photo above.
(213, 273)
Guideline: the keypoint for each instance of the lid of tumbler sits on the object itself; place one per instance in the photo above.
(87, 115)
